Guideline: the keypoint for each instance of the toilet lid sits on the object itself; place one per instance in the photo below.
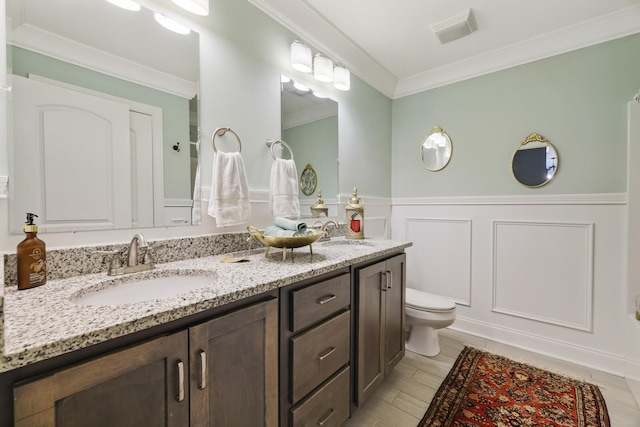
(421, 300)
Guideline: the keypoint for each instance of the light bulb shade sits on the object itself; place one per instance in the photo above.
(341, 78)
(170, 24)
(126, 4)
(199, 7)
(322, 68)
(300, 87)
(300, 57)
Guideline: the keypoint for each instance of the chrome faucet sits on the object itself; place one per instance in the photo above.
(138, 243)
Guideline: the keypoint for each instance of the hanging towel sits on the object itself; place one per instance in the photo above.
(229, 200)
(196, 212)
(283, 200)
(289, 224)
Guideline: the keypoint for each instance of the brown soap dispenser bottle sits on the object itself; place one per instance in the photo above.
(32, 257)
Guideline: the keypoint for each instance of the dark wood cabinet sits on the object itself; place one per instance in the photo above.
(140, 385)
(222, 372)
(315, 351)
(234, 368)
(380, 322)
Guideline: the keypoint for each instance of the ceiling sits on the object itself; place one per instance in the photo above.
(390, 44)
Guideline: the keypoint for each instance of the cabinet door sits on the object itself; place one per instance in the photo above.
(142, 385)
(370, 328)
(234, 368)
(394, 311)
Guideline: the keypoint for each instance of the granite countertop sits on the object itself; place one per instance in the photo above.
(44, 322)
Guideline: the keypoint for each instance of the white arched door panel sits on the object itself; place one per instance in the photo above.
(78, 153)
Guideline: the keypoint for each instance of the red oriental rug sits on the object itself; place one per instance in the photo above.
(485, 390)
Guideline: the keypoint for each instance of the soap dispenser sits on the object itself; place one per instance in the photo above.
(32, 257)
(355, 217)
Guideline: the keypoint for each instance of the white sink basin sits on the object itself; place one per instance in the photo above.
(143, 287)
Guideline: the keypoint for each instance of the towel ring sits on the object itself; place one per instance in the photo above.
(220, 132)
(272, 143)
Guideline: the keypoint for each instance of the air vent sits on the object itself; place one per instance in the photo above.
(455, 27)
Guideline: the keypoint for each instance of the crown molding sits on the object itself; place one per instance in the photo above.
(311, 27)
(607, 27)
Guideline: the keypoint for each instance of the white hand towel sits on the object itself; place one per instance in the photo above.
(229, 200)
(196, 212)
(283, 200)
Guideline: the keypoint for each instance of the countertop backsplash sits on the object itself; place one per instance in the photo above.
(63, 263)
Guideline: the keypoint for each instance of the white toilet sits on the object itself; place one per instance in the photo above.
(426, 313)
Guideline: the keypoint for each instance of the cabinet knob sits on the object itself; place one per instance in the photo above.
(203, 370)
(326, 299)
(327, 354)
(180, 396)
(326, 418)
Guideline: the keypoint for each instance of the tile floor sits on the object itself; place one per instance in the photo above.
(403, 397)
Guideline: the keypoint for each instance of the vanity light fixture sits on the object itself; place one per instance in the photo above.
(341, 78)
(322, 68)
(300, 87)
(126, 4)
(319, 95)
(170, 24)
(284, 79)
(300, 57)
(199, 7)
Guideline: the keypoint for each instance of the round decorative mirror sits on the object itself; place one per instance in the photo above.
(535, 161)
(435, 150)
(308, 180)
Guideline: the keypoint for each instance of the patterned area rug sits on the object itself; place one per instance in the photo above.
(484, 390)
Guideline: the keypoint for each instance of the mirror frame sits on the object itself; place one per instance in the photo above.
(435, 130)
(532, 139)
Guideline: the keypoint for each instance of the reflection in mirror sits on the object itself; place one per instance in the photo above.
(310, 127)
(535, 161)
(435, 150)
(124, 99)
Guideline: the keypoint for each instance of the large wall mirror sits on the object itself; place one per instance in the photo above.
(310, 127)
(535, 161)
(119, 148)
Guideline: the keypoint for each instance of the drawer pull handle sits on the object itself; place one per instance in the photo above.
(327, 354)
(325, 419)
(180, 396)
(326, 299)
(203, 370)
(389, 279)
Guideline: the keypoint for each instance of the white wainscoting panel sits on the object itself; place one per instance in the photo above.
(440, 261)
(544, 271)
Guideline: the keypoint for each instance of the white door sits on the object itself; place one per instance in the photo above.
(78, 154)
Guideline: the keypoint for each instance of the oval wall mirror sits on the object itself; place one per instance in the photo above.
(435, 150)
(535, 162)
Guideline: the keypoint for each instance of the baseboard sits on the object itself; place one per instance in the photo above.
(610, 363)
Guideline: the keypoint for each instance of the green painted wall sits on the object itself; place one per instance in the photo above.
(175, 110)
(577, 100)
(243, 54)
(316, 144)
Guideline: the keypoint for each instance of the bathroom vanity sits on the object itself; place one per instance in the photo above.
(266, 342)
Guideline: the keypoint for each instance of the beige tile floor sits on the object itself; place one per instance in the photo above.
(404, 396)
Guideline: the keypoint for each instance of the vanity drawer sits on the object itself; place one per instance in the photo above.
(317, 353)
(319, 301)
(327, 407)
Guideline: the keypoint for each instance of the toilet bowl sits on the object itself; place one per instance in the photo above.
(425, 314)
